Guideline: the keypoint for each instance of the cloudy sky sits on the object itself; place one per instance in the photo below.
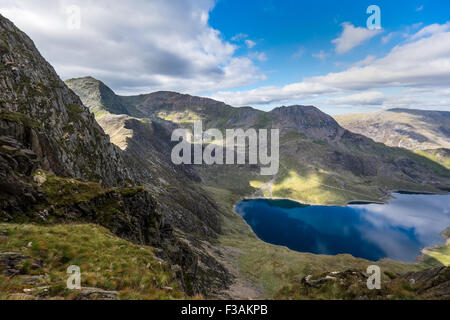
(262, 53)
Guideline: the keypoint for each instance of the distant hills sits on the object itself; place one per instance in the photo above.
(61, 177)
(321, 162)
(403, 128)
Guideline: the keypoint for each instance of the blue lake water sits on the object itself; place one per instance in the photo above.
(397, 230)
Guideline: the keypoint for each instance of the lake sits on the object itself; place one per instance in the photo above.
(397, 230)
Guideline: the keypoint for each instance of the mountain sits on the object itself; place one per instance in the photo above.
(321, 162)
(99, 97)
(57, 165)
(403, 128)
(140, 226)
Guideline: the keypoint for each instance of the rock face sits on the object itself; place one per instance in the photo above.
(47, 118)
(352, 285)
(431, 283)
(44, 125)
(404, 128)
(307, 120)
(98, 97)
(11, 263)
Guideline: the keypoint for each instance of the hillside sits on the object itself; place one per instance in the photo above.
(403, 128)
(33, 255)
(321, 163)
(60, 174)
(58, 166)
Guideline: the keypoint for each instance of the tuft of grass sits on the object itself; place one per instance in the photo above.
(63, 191)
(126, 192)
(20, 118)
(74, 112)
(106, 262)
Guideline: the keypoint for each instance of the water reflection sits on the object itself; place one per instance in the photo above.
(398, 230)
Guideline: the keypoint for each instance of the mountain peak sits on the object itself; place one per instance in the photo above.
(41, 116)
(306, 119)
(97, 96)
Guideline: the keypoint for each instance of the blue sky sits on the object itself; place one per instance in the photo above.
(283, 28)
(291, 33)
(261, 53)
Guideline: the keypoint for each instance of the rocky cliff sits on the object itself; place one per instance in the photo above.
(57, 165)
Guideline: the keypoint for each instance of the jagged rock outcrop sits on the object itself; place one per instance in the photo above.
(47, 118)
(44, 125)
(431, 283)
(11, 263)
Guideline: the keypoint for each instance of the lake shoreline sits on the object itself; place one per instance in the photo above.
(392, 196)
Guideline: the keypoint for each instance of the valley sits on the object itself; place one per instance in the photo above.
(315, 183)
(85, 171)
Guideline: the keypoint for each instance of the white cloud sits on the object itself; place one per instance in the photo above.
(260, 56)
(352, 37)
(422, 62)
(320, 55)
(250, 44)
(299, 53)
(369, 98)
(147, 46)
(367, 60)
(239, 37)
(431, 29)
(387, 38)
(419, 8)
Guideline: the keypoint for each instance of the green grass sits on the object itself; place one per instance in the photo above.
(293, 135)
(186, 117)
(349, 289)
(106, 261)
(441, 254)
(74, 112)
(433, 156)
(20, 118)
(64, 192)
(274, 267)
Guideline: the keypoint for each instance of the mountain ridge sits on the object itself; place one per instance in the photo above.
(307, 126)
(407, 128)
(184, 212)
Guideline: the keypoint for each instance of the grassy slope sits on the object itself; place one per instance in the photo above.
(271, 266)
(106, 262)
(436, 156)
(441, 252)
(274, 267)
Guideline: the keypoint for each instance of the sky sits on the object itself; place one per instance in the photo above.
(262, 53)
